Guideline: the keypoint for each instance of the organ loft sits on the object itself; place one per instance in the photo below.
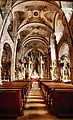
(36, 55)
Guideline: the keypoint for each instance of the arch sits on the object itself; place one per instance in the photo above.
(32, 38)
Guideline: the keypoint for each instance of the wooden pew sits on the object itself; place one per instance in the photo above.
(59, 98)
(61, 102)
(16, 85)
(13, 91)
(10, 103)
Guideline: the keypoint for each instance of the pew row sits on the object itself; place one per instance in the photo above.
(15, 94)
(59, 98)
(23, 85)
(11, 103)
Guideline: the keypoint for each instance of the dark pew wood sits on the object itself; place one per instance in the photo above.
(61, 102)
(12, 88)
(16, 85)
(58, 97)
(10, 103)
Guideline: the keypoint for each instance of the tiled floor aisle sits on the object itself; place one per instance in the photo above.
(35, 108)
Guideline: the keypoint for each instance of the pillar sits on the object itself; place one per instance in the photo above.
(13, 61)
(54, 58)
(49, 63)
(15, 46)
(29, 67)
(42, 62)
(57, 61)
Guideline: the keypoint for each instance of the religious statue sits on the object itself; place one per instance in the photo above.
(35, 65)
(65, 70)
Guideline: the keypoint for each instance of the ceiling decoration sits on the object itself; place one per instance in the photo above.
(34, 29)
(37, 44)
(33, 45)
(33, 22)
(37, 11)
(3, 3)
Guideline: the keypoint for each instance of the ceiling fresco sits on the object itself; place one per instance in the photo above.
(33, 22)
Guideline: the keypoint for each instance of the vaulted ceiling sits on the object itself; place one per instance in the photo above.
(34, 21)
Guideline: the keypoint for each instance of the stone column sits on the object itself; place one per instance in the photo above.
(54, 57)
(57, 62)
(15, 19)
(29, 67)
(49, 63)
(46, 60)
(13, 61)
(42, 62)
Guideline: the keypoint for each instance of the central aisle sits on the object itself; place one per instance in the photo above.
(35, 108)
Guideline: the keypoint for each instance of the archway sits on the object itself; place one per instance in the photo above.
(31, 60)
(6, 62)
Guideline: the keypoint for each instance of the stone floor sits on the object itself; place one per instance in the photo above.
(35, 108)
